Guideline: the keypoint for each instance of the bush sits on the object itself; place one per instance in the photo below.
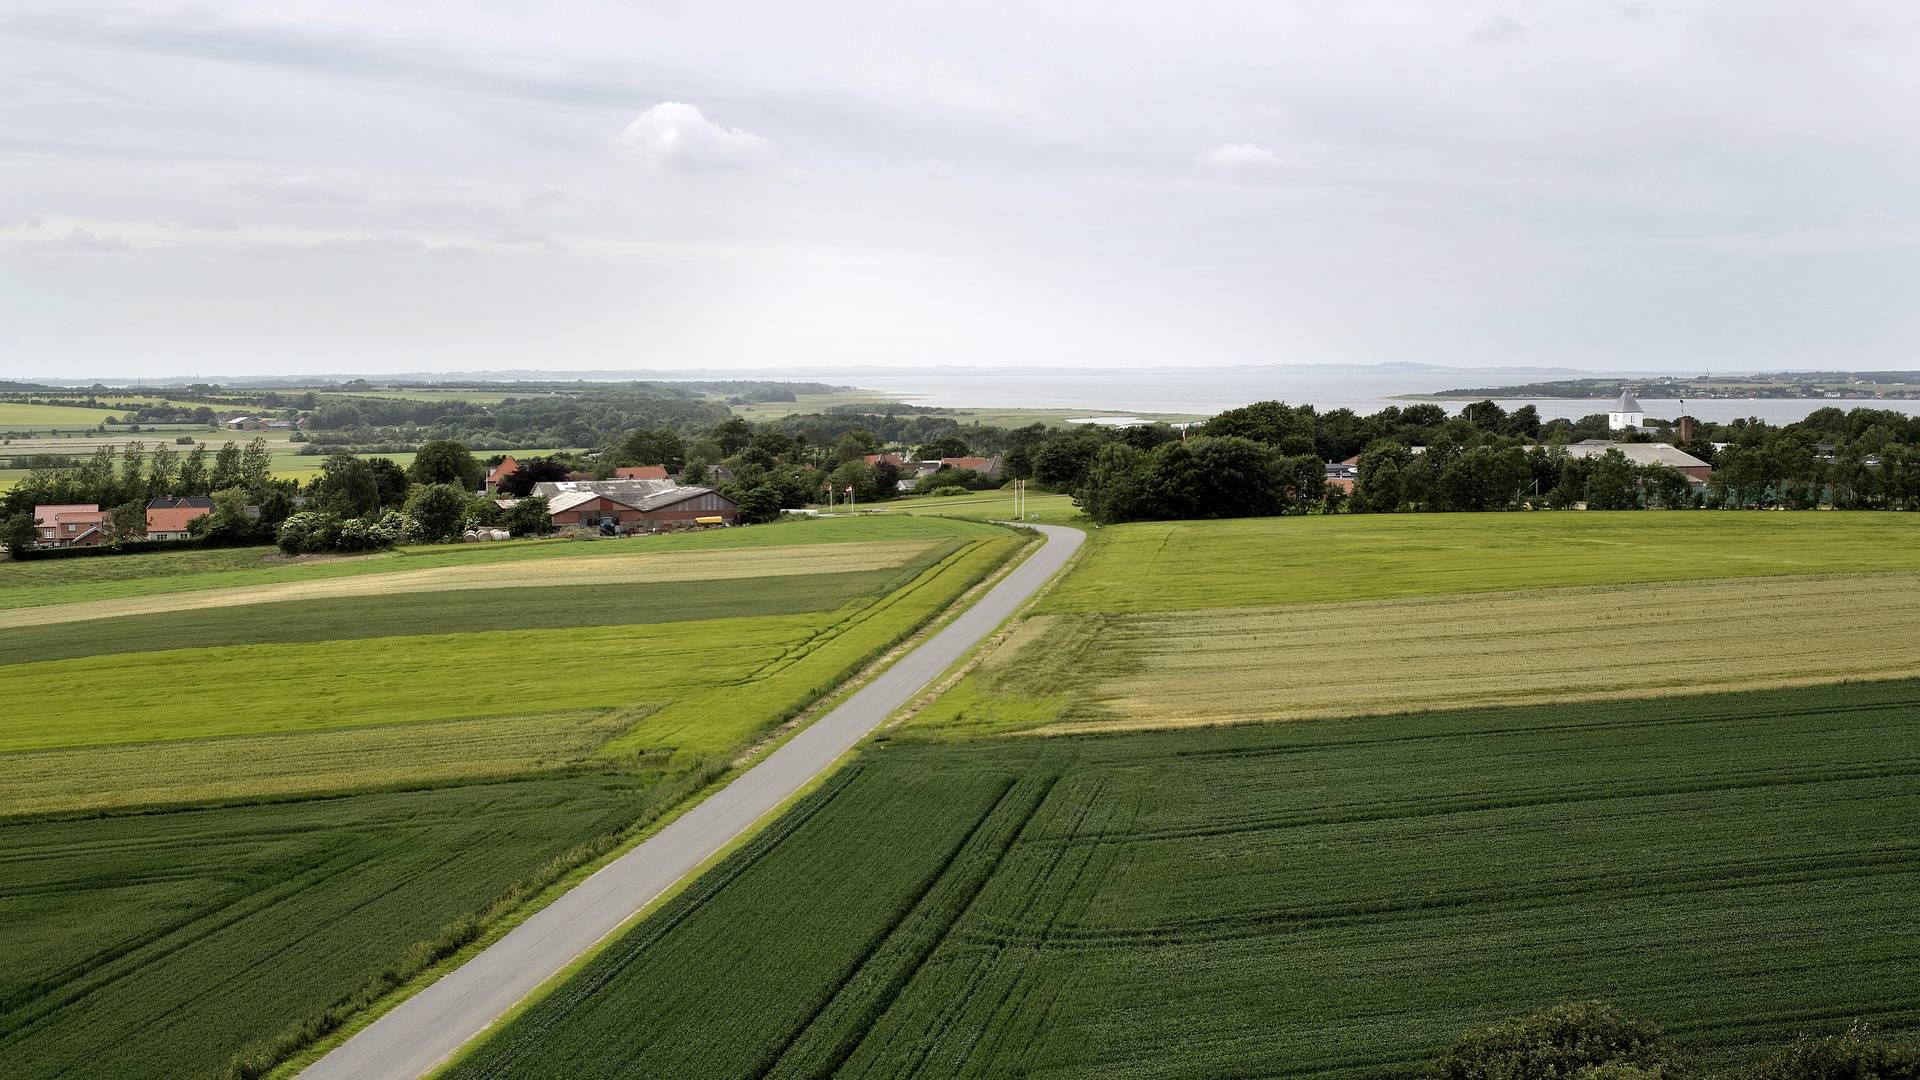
(1584, 1039)
(312, 531)
(529, 518)
(1860, 1053)
(308, 531)
(950, 489)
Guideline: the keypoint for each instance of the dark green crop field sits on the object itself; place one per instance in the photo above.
(1328, 898)
(166, 944)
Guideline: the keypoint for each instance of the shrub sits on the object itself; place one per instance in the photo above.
(308, 531)
(529, 518)
(1860, 1053)
(1577, 1039)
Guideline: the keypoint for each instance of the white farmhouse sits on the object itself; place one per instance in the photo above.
(1625, 413)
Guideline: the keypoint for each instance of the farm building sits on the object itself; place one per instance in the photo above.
(70, 524)
(989, 468)
(640, 472)
(1626, 413)
(168, 519)
(1696, 471)
(246, 423)
(632, 505)
(506, 468)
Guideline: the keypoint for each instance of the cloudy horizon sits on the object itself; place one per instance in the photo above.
(1648, 185)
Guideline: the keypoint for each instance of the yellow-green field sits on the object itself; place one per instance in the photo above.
(994, 505)
(1183, 623)
(18, 416)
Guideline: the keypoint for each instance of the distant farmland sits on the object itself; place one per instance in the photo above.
(1333, 898)
(256, 793)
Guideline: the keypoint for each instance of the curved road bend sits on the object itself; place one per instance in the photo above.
(427, 1028)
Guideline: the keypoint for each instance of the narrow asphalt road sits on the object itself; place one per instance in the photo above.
(428, 1027)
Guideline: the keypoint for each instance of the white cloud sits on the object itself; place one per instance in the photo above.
(674, 135)
(305, 188)
(86, 241)
(29, 222)
(1246, 160)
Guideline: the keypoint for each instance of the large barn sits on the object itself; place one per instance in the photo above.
(625, 506)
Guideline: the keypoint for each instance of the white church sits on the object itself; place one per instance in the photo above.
(1625, 413)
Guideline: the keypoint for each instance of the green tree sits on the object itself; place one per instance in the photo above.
(1381, 486)
(1560, 1043)
(193, 472)
(438, 511)
(226, 467)
(855, 444)
(346, 486)
(732, 435)
(529, 517)
(230, 522)
(133, 471)
(162, 469)
(759, 504)
(128, 521)
(256, 466)
(1113, 489)
(444, 461)
(652, 447)
(859, 476)
(945, 446)
(1610, 483)
(390, 480)
(17, 531)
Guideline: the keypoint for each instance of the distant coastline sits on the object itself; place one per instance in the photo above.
(1799, 386)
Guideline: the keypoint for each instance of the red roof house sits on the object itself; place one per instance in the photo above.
(506, 468)
(168, 519)
(641, 472)
(69, 524)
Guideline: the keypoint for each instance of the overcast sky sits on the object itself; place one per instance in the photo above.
(305, 186)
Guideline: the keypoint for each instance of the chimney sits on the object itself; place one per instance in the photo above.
(1686, 429)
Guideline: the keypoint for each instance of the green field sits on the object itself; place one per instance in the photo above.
(1181, 623)
(987, 506)
(19, 416)
(255, 793)
(1334, 898)
(1180, 565)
